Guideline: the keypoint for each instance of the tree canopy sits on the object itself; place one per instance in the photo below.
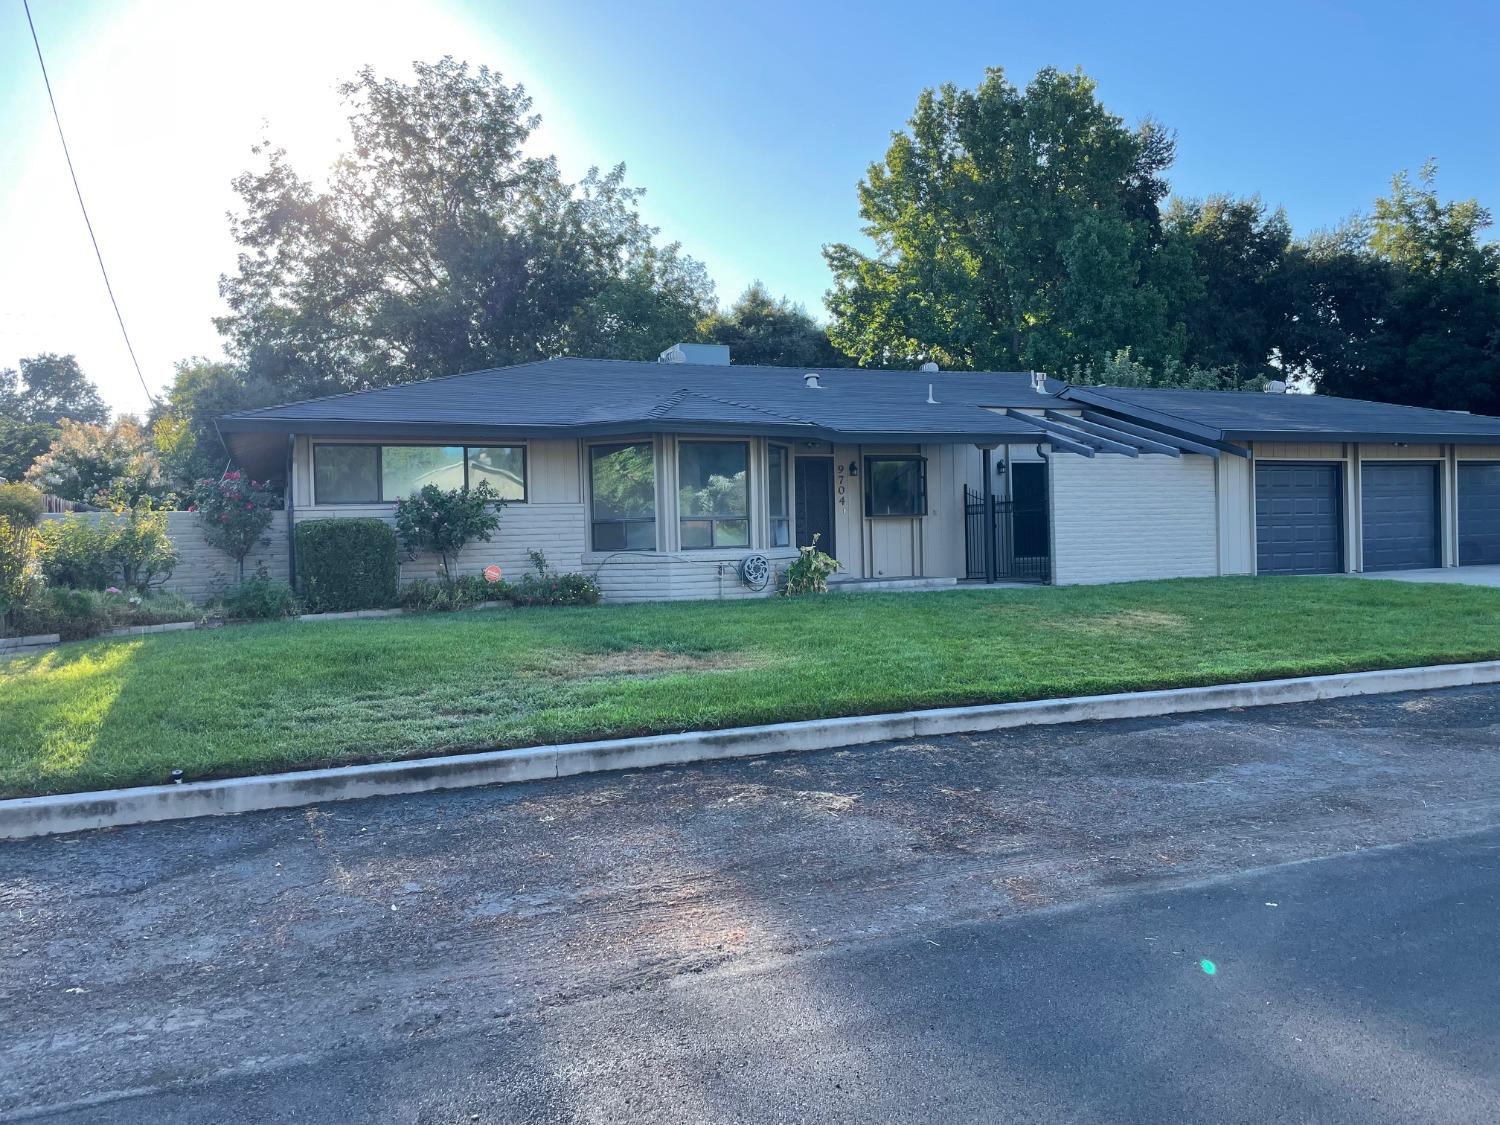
(49, 388)
(759, 328)
(438, 247)
(1013, 229)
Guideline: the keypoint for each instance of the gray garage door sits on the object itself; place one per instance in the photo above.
(1298, 518)
(1399, 510)
(1479, 514)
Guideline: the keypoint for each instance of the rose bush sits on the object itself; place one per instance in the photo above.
(234, 512)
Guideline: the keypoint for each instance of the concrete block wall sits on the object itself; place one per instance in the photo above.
(202, 571)
(1121, 519)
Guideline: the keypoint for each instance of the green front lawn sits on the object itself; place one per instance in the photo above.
(257, 698)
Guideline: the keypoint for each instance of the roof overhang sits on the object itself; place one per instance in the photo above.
(232, 428)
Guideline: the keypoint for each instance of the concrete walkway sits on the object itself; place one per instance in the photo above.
(1454, 575)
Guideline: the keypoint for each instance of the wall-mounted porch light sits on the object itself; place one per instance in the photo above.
(854, 468)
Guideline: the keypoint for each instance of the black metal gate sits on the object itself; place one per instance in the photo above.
(1019, 532)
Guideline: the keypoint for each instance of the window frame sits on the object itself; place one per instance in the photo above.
(653, 519)
(380, 448)
(872, 459)
(772, 448)
(714, 520)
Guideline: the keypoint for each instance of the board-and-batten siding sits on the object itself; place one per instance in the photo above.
(1121, 519)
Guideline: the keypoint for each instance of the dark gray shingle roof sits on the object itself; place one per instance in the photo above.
(1245, 416)
(604, 396)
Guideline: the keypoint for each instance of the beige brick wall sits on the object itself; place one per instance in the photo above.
(1119, 519)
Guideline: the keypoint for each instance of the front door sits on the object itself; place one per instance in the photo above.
(814, 495)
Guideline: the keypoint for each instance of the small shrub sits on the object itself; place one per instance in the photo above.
(444, 522)
(129, 548)
(259, 598)
(810, 572)
(21, 504)
(75, 553)
(234, 512)
(346, 564)
(543, 585)
(139, 547)
(427, 595)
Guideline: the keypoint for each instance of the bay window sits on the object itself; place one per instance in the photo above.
(622, 491)
(713, 494)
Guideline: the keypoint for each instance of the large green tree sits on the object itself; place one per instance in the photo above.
(439, 246)
(759, 328)
(48, 388)
(1402, 305)
(1013, 229)
(1239, 303)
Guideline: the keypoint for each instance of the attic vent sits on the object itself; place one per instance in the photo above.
(929, 366)
(1275, 387)
(1039, 382)
(810, 381)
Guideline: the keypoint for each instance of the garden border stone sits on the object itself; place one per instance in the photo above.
(73, 812)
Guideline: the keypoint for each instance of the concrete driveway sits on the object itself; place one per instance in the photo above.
(1451, 575)
(1013, 926)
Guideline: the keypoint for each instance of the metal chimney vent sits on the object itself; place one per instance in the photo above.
(1039, 382)
(810, 381)
(930, 366)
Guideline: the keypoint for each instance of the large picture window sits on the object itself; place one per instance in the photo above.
(713, 494)
(622, 488)
(895, 486)
(370, 474)
(778, 479)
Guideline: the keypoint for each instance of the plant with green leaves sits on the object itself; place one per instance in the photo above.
(545, 585)
(810, 571)
(18, 564)
(346, 564)
(21, 503)
(233, 514)
(445, 521)
(259, 598)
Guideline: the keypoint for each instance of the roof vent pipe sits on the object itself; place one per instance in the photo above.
(929, 366)
(1039, 382)
(1275, 387)
(810, 381)
(930, 400)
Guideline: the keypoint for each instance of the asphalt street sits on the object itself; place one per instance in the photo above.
(1279, 914)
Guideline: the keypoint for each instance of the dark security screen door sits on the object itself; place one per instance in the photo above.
(814, 487)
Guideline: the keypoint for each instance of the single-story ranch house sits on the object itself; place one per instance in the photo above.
(690, 478)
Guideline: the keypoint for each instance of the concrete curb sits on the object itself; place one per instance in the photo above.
(74, 812)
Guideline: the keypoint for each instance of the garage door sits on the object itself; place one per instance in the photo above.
(1478, 514)
(1298, 518)
(1399, 510)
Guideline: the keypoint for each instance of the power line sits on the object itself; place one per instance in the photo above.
(78, 191)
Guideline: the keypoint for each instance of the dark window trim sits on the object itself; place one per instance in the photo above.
(380, 447)
(590, 448)
(713, 520)
(874, 458)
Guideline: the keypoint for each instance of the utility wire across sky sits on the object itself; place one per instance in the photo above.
(78, 191)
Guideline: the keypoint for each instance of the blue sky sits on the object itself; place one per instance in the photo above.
(748, 125)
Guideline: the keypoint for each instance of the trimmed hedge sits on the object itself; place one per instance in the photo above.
(345, 564)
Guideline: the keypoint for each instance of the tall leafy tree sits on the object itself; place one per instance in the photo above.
(1239, 302)
(759, 328)
(49, 388)
(1402, 305)
(113, 464)
(438, 246)
(1013, 229)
